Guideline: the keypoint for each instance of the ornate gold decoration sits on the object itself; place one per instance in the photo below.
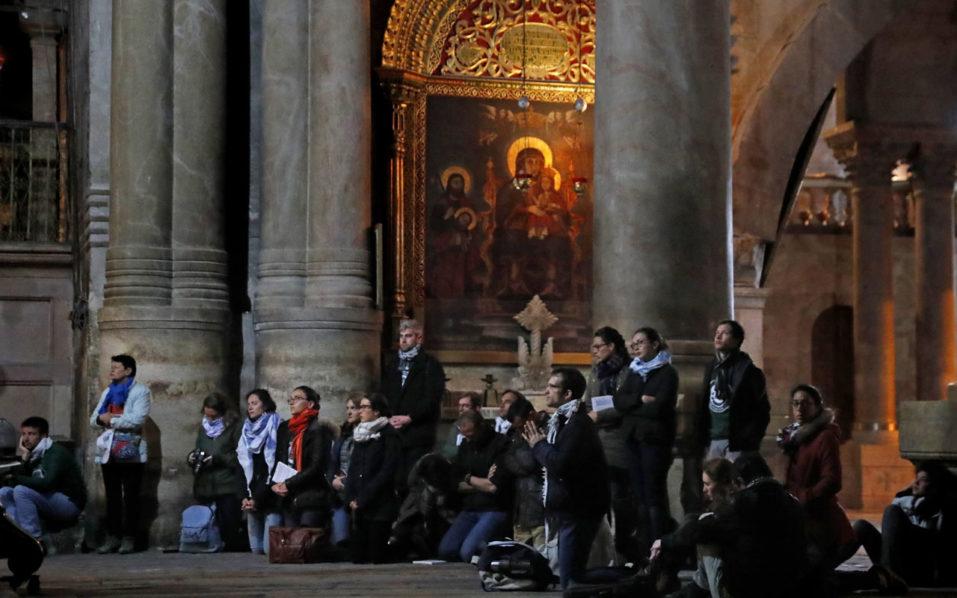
(536, 143)
(493, 38)
(484, 38)
(535, 316)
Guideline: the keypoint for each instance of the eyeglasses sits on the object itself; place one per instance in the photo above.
(366, 406)
(295, 400)
(598, 346)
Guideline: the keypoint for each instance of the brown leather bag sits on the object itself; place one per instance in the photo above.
(297, 544)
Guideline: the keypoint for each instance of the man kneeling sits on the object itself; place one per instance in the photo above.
(48, 488)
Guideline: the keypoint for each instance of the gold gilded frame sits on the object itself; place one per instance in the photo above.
(411, 49)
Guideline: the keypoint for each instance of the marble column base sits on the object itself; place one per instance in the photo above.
(182, 354)
(334, 350)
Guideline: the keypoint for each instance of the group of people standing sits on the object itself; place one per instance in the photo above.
(590, 470)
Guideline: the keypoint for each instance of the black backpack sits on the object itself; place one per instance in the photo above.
(508, 565)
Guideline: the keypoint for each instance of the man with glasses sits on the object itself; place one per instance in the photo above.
(414, 383)
(577, 493)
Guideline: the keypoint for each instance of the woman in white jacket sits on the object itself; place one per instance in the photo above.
(121, 452)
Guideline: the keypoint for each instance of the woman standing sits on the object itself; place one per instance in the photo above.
(370, 485)
(217, 474)
(304, 444)
(813, 447)
(608, 372)
(339, 472)
(647, 400)
(257, 456)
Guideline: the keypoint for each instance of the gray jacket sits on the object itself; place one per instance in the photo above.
(135, 412)
(609, 422)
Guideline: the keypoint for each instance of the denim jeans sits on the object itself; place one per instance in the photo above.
(469, 534)
(29, 508)
(257, 526)
(340, 525)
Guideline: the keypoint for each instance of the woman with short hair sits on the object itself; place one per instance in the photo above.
(370, 485)
(218, 478)
(257, 457)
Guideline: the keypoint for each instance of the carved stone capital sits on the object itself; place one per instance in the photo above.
(866, 157)
(749, 253)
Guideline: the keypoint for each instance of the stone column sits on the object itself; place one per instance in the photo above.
(328, 335)
(872, 221)
(139, 260)
(199, 132)
(872, 463)
(165, 295)
(933, 183)
(663, 173)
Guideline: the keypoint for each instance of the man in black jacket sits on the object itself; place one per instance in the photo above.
(414, 382)
(733, 413)
(577, 493)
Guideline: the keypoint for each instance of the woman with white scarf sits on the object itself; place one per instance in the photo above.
(370, 485)
(647, 400)
(257, 456)
(217, 475)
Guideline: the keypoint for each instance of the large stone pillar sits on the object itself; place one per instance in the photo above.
(872, 458)
(327, 332)
(662, 178)
(165, 293)
(933, 184)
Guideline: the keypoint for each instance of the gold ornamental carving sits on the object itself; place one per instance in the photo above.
(555, 39)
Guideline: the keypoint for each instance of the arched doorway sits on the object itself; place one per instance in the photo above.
(832, 362)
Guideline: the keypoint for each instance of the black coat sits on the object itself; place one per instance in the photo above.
(520, 463)
(761, 538)
(420, 397)
(654, 422)
(576, 470)
(475, 457)
(309, 488)
(371, 479)
(750, 410)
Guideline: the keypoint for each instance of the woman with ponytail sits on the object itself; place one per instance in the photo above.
(304, 444)
(257, 457)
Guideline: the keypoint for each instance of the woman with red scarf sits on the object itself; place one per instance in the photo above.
(305, 444)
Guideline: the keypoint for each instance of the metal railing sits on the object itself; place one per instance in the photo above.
(33, 182)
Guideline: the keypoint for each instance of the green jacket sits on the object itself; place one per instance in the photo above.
(223, 475)
(56, 471)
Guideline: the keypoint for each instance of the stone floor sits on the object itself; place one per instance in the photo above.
(153, 573)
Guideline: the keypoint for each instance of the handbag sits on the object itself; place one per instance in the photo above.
(125, 447)
(297, 545)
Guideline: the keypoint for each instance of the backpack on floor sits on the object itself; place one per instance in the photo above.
(199, 532)
(508, 565)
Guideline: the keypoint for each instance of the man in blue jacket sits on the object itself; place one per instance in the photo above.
(577, 494)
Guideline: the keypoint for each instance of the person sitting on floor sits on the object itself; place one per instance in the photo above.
(486, 491)
(917, 537)
(48, 488)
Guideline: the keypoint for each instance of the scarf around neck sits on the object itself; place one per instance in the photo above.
(297, 427)
(259, 436)
(405, 361)
(366, 431)
(213, 427)
(37, 453)
(792, 436)
(559, 418)
(116, 395)
(643, 368)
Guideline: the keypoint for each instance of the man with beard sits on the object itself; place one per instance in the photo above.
(455, 241)
(413, 382)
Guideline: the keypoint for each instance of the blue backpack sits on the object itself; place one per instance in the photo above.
(199, 532)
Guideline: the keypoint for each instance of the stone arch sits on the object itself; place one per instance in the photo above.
(775, 119)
